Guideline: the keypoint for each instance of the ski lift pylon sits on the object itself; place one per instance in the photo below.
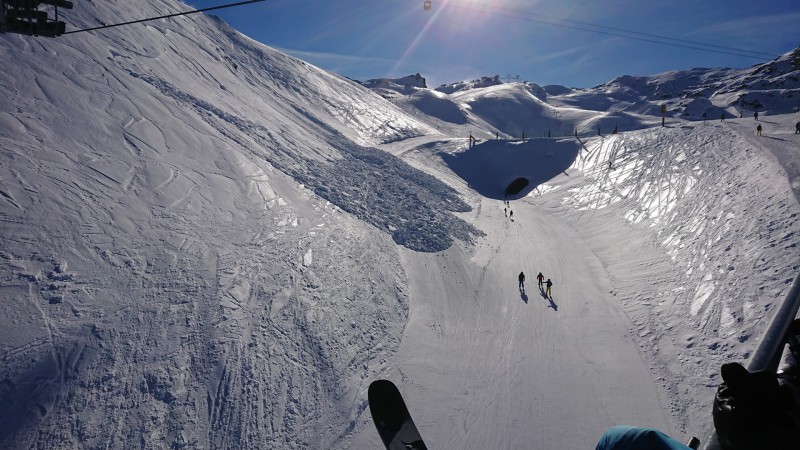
(427, 5)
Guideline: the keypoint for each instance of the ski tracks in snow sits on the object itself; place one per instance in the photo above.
(690, 197)
(512, 362)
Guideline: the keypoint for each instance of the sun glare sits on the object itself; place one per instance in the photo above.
(451, 19)
(468, 13)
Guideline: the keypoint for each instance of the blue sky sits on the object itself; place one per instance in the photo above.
(542, 41)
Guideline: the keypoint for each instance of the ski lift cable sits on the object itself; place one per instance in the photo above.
(555, 21)
(525, 15)
(166, 16)
(635, 32)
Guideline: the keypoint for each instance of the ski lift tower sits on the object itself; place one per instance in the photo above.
(25, 17)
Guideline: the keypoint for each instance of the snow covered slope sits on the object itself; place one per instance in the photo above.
(202, 249)
(168, 275)
(626, 103)
(692, 232)
(392, 87)
(482, 82)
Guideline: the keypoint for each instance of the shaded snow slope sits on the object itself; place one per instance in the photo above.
(490, 167)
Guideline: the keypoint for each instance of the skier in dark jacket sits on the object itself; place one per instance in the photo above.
(521, 281)
(540, 278)
(797, 128)
(758, 130)
(755, 114)
(549, 284)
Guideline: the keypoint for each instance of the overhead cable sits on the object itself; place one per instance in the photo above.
(165, 17)
(617, 32)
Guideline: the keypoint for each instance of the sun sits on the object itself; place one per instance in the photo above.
(460, 14)
(452, 19)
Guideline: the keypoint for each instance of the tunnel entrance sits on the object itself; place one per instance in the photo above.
(517, 186)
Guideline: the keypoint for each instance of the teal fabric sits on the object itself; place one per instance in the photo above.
(634, 438)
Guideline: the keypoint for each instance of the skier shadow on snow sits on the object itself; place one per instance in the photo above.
(523, 296)
(549, 299)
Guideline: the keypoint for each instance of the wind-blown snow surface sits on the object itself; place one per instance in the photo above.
(201, 250)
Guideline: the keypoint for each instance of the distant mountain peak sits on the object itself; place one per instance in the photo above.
(407, 82)
(481, 82)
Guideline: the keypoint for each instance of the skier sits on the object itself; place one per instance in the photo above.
(505, 212)
(722, 117)
(797, 128)
(540, 277)
(511, 214)
(549, 284)
(522, 281)
(755, 114)
(758, 129)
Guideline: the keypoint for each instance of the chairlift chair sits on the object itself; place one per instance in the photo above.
(24, 17)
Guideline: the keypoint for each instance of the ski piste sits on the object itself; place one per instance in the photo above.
(391, 417)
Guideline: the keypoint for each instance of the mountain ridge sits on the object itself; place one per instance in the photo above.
(692, 94)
